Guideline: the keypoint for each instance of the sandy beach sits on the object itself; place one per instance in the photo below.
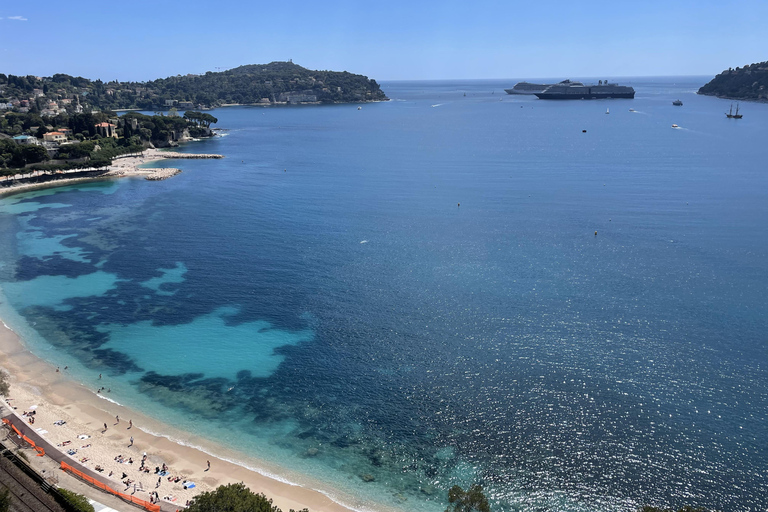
(37, 386)
(73, 417)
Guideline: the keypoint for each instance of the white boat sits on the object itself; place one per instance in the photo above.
(675, 126)
(607, 111)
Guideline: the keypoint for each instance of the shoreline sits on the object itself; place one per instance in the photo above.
(37, 382)
(121, 167)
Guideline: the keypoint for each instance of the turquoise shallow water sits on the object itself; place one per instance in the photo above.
(321, 291)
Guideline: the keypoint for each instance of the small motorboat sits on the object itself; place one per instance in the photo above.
(677, 103)
(675, 126)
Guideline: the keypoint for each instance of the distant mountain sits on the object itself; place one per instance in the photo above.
(747, 83)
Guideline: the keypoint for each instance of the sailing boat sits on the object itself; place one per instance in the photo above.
(731, 115)
(607, 111)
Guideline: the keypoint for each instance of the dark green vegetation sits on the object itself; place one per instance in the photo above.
(277, 82)
(89, 149)
(747, 83)
(471, 500)
(74, 501)
(232, 498)
(5, 386)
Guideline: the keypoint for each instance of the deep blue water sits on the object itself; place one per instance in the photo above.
(321, 290)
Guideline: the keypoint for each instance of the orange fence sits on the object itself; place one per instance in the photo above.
(104, 487)
(39, 449)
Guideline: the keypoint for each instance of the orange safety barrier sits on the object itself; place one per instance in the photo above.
(39, 449)
(104, 487)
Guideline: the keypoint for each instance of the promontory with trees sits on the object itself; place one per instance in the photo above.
(747, 83)
(264, 84)
(30, 142)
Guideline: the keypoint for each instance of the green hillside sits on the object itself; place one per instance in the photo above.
(747, 83)
(273, 83)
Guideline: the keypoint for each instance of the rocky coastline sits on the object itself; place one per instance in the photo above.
(124, 166)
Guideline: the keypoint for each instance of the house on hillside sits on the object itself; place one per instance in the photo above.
(106, 130)
(56, 137)
(26, 140)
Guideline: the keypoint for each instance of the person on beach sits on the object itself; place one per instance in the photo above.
(130, 424)
(117, 420)
(159, 481)
(105, 428)
(131, 441)
(209, 465)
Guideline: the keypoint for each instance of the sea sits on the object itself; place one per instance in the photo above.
(562, 301)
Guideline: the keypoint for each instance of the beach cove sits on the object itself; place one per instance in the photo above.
(39, 386)
(74, 418)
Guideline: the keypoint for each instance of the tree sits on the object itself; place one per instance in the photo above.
(34, 154)
(5, 386)
(472, 500)
(231, 498)
(75, 501)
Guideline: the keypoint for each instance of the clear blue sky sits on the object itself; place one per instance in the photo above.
(395, 40)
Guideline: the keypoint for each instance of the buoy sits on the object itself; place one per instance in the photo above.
(595, 233)
(583, 131)
(285, 170)
(459, 204)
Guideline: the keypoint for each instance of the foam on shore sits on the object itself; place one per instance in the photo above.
(36, 382)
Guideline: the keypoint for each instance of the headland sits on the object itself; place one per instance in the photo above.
(748, 83)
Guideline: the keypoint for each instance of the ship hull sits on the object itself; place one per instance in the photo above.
(585, 95)
(513, 91)
(527, 88)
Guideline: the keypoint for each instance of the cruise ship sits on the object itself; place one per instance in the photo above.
(579, 91)
(529, 88)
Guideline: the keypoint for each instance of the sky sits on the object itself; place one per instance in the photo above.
(386, 40)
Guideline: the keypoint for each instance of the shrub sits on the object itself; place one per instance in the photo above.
(75, 501)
